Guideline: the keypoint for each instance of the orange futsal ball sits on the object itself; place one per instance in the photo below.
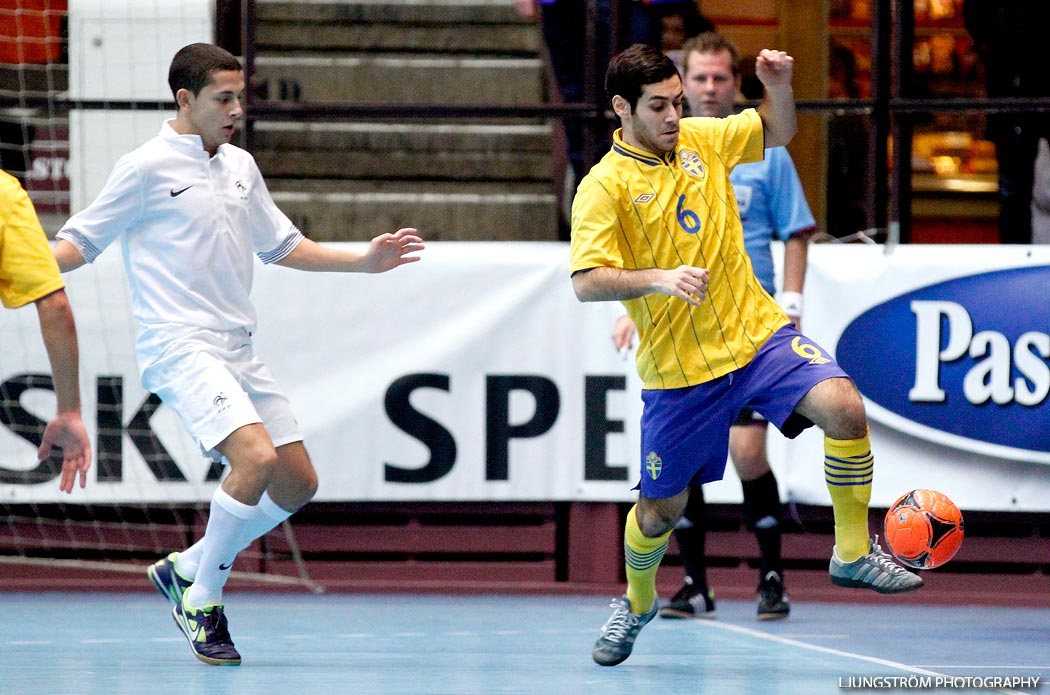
(923, 529)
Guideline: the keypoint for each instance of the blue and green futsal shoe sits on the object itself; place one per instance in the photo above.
(167, 579)
(208, 633)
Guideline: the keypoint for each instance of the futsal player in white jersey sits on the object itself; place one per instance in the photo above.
(190, 210)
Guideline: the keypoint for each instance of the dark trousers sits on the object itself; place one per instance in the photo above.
(564, 26)
(1017, 146)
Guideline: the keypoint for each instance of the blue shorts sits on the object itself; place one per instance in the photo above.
(685, 432)
(748, 417)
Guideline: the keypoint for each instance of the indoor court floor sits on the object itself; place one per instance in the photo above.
(115, 644)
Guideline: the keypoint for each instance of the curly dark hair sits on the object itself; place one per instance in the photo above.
(640, 65)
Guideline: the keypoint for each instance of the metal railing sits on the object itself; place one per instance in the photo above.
(890, 111)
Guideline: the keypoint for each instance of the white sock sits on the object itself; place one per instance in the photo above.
(268, 514)
(219, 547)
(188, 560)
(265, 517)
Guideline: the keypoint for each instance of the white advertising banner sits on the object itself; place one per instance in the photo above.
(949, 346)
(476, 375)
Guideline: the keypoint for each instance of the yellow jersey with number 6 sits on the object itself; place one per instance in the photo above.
(636, 210)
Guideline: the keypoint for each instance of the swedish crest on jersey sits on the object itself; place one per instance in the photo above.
(691, 164)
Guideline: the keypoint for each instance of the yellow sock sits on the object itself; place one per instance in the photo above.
(643, 559)
(848, 466)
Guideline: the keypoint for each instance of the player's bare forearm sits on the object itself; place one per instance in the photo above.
(796, 254)
(67, 255)
(777, 109)
(59, 332)
(612, 284)
(385, 252)
(66, 430)
(616, 284)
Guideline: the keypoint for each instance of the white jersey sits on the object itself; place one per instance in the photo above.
(188, 224)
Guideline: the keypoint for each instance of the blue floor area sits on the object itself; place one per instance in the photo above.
(115, 644)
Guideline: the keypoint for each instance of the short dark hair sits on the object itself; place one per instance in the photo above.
(193, 65)
(710, 42)
(638, 66)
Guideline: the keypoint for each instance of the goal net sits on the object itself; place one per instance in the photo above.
(76, 92)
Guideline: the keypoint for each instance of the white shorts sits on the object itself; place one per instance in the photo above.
(216, 384)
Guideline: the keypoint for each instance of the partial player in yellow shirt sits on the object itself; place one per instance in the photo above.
(29, 275)
(656, 226)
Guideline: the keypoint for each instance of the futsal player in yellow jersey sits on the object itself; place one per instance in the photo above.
(29, 275)
(655, 225)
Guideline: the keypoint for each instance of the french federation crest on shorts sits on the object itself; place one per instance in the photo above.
(654, 465)
(691, 164)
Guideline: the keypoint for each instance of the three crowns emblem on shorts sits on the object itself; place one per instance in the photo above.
(654, 465)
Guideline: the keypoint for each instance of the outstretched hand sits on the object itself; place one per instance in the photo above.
(774, 68)
(388, 251)
(67, 431)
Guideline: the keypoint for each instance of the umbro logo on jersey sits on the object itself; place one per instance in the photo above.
(176, 194)
(645, 197)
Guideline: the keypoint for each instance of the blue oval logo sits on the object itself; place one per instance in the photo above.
(969, 358)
